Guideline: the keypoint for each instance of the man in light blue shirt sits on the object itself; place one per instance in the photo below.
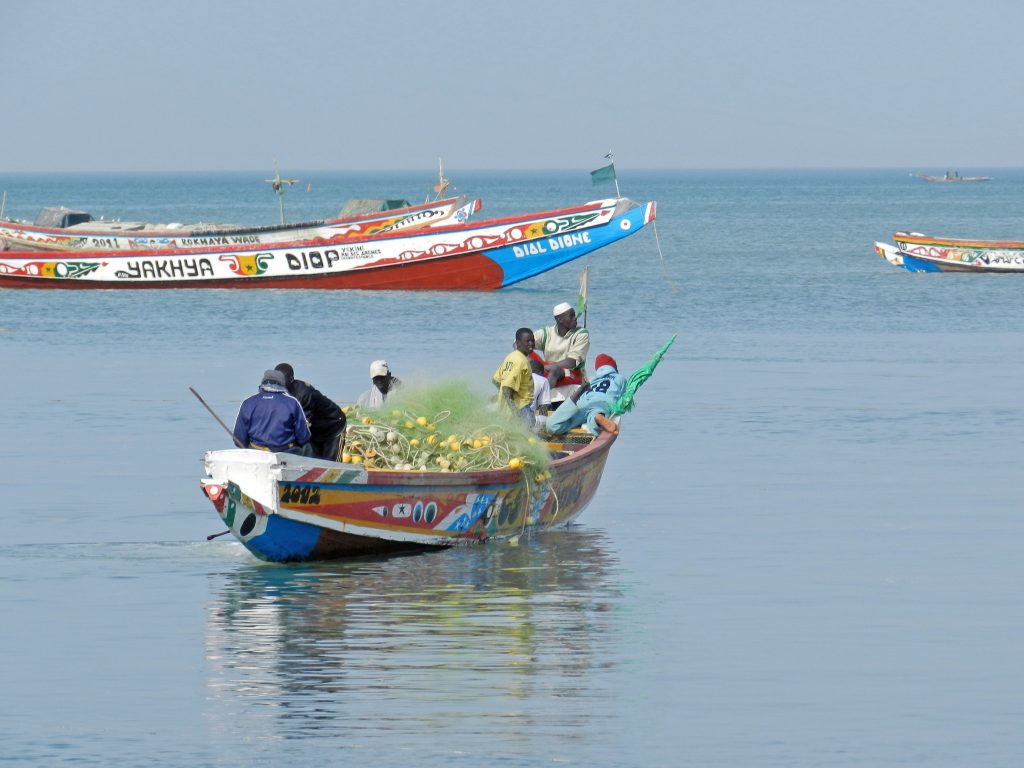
(591, 405)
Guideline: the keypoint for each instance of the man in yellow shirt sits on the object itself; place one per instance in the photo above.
(514, 378)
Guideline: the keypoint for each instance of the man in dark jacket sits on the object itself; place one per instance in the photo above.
(325, 417)
(272, 420)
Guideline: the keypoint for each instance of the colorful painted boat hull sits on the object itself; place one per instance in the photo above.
(921, 253)
(483, 255)
(130, 236)
(286, 508)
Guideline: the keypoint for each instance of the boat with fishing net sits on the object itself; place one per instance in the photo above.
(284, 507)
(402, 483)
(474, 255)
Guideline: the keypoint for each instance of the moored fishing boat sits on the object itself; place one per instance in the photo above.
(478, 255)
(286, 508)
(63, 229)
(916, 252)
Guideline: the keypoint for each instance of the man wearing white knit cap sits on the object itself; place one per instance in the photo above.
(562, 348)
(383, 382)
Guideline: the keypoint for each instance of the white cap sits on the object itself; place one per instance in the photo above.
(561, 309)
(379, 368)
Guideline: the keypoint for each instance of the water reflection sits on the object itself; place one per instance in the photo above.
(482, 640)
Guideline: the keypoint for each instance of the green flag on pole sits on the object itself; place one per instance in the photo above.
(581, 302)
(639, 376)
(602, 175)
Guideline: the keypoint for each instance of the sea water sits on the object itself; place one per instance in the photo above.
(806, 549)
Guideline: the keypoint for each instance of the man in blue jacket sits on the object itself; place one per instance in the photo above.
(272, 420)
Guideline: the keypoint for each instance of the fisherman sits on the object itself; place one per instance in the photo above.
(514, 379)
(383, 383)
(325, 417)
(590, 406)
(272, 420)
(562, 348)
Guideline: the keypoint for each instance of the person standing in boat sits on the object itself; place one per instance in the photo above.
(272, 420)
(325, 417)
(514, 378)
(590, 406)
(562, 349)
(383, 383)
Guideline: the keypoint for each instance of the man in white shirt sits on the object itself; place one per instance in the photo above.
(383, 383)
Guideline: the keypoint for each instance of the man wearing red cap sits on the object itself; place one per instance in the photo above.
(591, 405)
(562, 348)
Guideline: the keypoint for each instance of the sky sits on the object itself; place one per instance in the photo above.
(124, 85)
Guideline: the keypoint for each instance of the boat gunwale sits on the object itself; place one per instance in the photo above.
(906, 237)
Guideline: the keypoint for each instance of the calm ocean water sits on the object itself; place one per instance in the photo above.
(806, 549)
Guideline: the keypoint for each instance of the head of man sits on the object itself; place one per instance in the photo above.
(602, 360)
(288, 371)
(524, 341)
(273, 381)
(380, 374)
(565, 318)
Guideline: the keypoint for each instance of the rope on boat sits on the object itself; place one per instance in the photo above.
(664, 264)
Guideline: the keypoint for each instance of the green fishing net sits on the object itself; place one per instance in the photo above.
(441, 427)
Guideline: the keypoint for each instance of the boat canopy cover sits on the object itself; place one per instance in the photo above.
(61, 217)
(359, 206)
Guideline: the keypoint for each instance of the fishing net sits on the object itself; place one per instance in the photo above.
(441, 427)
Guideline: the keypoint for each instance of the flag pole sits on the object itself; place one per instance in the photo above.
(615, 176)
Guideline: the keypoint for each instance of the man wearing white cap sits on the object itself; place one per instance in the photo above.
(562, 348)
(383, 383)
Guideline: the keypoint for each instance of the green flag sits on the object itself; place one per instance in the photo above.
(639, 376)
(581, 302)
(603, 174)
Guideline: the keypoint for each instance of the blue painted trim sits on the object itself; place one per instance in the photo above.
(914, 264)
(284, 540)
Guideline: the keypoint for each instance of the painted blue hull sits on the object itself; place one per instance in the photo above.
(914, 264)
(521, 262)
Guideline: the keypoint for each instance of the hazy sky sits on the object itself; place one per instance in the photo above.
(393, 84)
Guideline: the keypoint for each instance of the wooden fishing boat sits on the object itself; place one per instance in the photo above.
(287, 508)
(951, 177)
(477, 255)
(921, 253)
(62, 229)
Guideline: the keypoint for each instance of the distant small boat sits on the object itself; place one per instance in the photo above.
(952, 176)
(921, 253)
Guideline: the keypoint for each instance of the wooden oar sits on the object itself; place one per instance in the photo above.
(207, 407)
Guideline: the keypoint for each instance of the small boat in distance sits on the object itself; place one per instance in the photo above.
(952, 177)
(478, 255)
(921, 253)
